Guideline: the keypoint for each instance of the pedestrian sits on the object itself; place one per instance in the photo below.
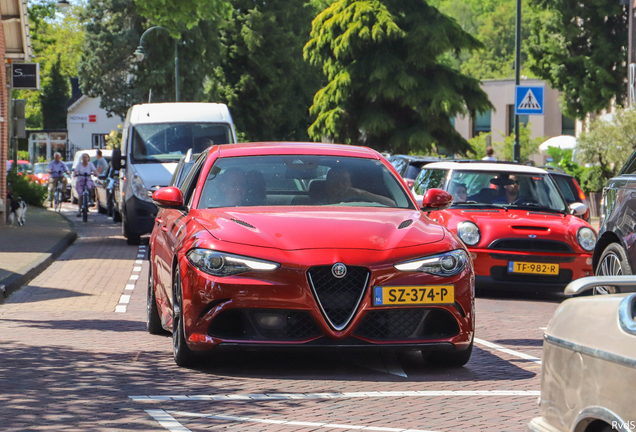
(489, 155)
(101, 164)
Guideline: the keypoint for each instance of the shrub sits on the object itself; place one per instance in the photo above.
(20, 187)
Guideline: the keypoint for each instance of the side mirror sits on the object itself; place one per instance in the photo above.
(115, 160)
(436, 199)
(168, 198)
(578, 209)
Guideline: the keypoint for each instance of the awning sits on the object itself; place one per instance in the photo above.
(15, 21)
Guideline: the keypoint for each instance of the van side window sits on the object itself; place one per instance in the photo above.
(429, 178)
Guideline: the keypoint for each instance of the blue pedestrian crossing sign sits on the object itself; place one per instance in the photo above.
(529, 100)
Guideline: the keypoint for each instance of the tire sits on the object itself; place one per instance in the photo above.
(153, 320)
(131, 239)
(74, 200)
(453, 359)
(100, 209)
(109, 207)
(116, 216)
(613, 262)
(183, 355)
(84, 214)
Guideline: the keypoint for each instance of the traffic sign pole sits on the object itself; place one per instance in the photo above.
(516, 148)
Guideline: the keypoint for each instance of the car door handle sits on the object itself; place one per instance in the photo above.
(158, 221)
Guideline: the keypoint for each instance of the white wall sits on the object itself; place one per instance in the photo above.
(80, 134)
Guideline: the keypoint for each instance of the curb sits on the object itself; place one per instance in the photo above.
(15, 282)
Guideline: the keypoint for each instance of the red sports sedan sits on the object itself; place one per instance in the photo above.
(519, 229)
(310, 245)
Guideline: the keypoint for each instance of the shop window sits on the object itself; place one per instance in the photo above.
(481, 123)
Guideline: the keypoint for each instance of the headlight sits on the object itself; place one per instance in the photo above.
(138, 187)
(469, 233)
(446, 264)
(224, 264)
(586, 238)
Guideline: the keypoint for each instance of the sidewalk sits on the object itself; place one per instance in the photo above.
(26, 251)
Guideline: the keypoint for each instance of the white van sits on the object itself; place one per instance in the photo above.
(154, 138)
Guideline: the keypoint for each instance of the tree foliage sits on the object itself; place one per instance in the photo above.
(55, 93)
(108, 70)
(389, 86)
(176, 14)
(504, 150)
(262, 75)
(580, 49)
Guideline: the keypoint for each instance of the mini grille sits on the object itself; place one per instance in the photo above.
(245, 224)
(338, 298)
(531, 245)
(529, 228)
(405, 224)
(405, 324)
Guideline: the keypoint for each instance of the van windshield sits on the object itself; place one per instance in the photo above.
(167, 142)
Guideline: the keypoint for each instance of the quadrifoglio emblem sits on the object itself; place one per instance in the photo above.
(339, 270)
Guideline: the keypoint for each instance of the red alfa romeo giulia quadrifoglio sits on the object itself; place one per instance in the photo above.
(281, 244)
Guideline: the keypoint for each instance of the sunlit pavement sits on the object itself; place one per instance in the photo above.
(74, 355)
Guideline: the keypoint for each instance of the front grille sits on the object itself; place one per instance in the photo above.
(500, 273)
(338, 298)
(529, 228)
(244, 324)
(531, 245)
(533, 258)
(405, 324)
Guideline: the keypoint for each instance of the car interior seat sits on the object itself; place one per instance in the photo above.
(317, 190)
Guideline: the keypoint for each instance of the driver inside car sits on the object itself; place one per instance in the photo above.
(339, 189)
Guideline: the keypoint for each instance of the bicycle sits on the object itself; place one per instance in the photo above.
(85, 196)
(57, 195)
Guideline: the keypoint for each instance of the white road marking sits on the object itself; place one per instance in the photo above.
(125, 299)
(140, 256)
(130, 286)
(281, 422)
(134, 277)
(167, 421)
(136, 269)
(507, 351)
(139, 262)
(295, 396)
(120, 309)
(543, 328)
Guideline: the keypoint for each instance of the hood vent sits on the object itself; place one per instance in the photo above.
(406, 223)
(245, 224)
(530, 228)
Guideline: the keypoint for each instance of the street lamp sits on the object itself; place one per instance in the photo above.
(140, 54)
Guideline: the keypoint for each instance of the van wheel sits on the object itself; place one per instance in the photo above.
(116, 216)
(613, 262)
(131, 239)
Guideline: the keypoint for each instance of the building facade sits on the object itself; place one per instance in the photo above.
(88, 124)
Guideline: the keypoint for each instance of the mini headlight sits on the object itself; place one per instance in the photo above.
(446, 264)
(586, 238)
(224, 264)
(469, 233)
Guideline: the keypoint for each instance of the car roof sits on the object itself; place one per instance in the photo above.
(487, 166)
(416, 158)
(291, 148)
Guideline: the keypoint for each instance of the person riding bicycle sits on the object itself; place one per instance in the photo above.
(56, 169)
(82, 171)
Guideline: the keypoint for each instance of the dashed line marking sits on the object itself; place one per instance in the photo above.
(124, 300)
(134, 277)
(130, 287)
(297, 396)
(136, 269)
(166, 419)
(507, 351)
(120, 308)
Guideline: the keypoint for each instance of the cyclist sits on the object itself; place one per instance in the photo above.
(56, 169)
(82, 171)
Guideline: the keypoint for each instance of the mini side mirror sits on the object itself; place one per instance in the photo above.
(436, 199)
(168, 198)
(578, 209)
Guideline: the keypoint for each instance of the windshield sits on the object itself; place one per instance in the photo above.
(302, 181)
(167, 142)
(40, 168)
(500, 188)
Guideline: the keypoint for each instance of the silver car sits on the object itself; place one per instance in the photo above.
(588, 377)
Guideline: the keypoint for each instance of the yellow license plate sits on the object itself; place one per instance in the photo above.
(413, 295)
(533, 268)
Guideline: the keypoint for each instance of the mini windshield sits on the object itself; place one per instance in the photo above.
(40, 168)
(509, 189)
(302, 181)
(167, 142)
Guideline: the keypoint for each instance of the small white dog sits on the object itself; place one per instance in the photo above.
(18, 210)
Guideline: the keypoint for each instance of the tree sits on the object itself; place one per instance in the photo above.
(580, 48)
(107, 69)
(262, 75)
(389, 87)
(503, 150)
(55, 93)
(176, 14)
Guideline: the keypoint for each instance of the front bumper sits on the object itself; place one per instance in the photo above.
(140, 215)
(491, 270)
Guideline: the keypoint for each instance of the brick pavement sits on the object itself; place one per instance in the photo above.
(69, 362)
(27, 250)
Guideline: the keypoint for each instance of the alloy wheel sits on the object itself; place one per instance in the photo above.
(610, 266)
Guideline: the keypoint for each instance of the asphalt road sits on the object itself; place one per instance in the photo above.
(74, 355)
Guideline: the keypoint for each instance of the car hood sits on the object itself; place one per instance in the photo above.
(373, 229)
(155, 174)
